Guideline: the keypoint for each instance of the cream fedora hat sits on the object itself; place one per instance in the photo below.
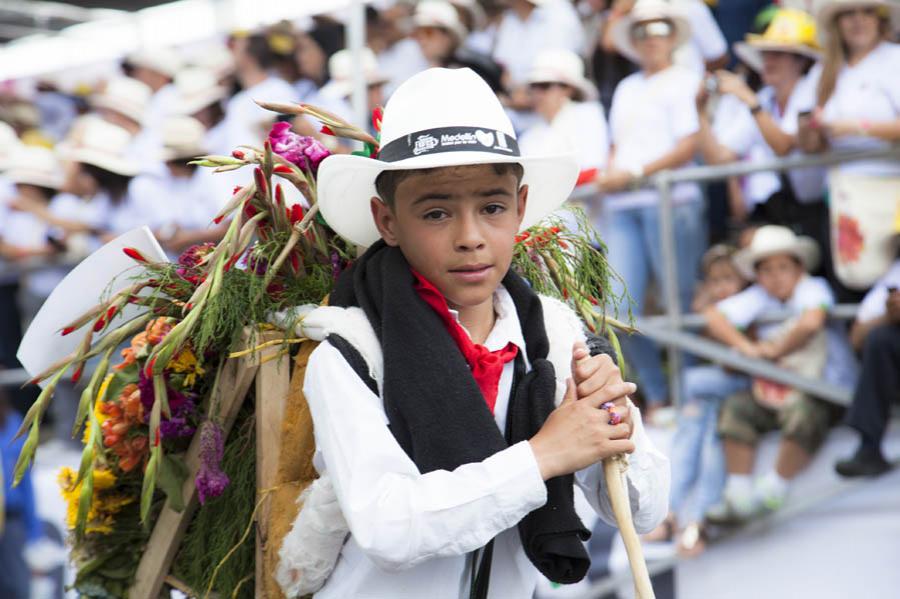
(643, 12)
(9, 143)
(436, 118)
(441, 14)
(35, 165)
(197, 88)
(182, 137)
(828, 12)
(770, 240)
(104, 145)
(126, 96)
(562, 66)
(340, 66)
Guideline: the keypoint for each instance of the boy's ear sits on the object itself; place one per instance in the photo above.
(522, 201)
(385, 221)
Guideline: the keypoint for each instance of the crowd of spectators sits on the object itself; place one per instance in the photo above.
(633, 88)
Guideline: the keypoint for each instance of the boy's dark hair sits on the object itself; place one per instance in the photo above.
(387, 182)
(258, 47)
(46, 192)
(114, 183)
(791, 256)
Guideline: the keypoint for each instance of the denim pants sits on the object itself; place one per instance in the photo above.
(15, 576)
(697, 457)
(634, 249)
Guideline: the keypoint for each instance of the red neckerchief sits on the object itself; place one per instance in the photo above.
(486, 366)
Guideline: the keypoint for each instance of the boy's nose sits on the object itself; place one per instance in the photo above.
(469, 235)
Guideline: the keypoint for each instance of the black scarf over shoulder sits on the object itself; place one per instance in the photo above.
(435, 409)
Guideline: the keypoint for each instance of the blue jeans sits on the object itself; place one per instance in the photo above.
(697, 456)
(633, 241)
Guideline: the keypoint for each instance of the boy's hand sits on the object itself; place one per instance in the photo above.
(578, 433)
(598, 377)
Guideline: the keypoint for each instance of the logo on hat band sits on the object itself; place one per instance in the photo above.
(449, 139)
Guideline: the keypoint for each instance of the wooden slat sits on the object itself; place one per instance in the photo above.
(235, 381)
(273, 382)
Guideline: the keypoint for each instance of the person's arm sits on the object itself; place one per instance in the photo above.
(860, 330)
(712, 151)
(780, 142)
(720, 328)
(400, 517)
(884, 130)
(809, 323)
(617, 179)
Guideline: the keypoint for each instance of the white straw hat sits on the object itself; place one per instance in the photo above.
(162, 60)
(829, 11)
(770, 240)
(197, 88)
(126, 96)
(437, 118)
(104, 145)
(340, 66)
(9, 142)
(438, 13)
(182, 137)
(562, 66)
(35, 165)
(644, 11)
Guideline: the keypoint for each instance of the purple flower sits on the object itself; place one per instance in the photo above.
(182, 407)
(301, 150)
(194, 254)
(210, 479)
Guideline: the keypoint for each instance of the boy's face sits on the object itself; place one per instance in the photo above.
(723, 280)
(779, 275)
(456, 227)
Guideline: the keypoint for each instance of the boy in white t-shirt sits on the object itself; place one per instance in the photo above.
(779, 261)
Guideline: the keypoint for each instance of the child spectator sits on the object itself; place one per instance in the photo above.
(778, 260)
(876, 333)
(697, 458)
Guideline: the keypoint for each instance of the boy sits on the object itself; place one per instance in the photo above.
(433, 397)
(778, 260)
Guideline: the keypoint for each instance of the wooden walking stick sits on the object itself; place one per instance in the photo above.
(614, 472)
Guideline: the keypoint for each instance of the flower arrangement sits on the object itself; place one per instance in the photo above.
(140, 413)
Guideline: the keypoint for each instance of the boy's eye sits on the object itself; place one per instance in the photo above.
(494, 208)
(434, 215)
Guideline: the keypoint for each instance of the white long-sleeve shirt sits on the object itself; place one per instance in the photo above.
(411, 532)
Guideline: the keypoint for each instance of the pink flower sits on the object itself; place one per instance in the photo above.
(303, 151)
(210, 480)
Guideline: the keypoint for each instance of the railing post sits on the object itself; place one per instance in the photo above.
(670, 279)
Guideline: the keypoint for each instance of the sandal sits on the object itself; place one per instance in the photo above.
(664, 533)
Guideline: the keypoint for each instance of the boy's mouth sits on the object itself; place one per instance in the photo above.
(471, 272)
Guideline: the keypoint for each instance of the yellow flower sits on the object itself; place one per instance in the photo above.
(103, 507)
(98, 403)
(186, 362)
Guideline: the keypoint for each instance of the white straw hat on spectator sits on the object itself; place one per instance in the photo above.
(562, 66)
(477, 17)
(35, 165)
(126, 96)
(197, 88)
(216, 58)
(340, 66)
(440, 14)
(645, 11)
(9, 142)
(182, 137)
(162, 60)
(438, 118)
(770, 240)
(104, 145)
(889, 8)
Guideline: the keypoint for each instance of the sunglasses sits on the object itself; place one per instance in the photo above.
(542, 85)
(644, 31)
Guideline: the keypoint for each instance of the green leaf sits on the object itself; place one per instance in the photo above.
(172, 474)
(27, 453)
(620, 357)
(149, 484)
(84, 502)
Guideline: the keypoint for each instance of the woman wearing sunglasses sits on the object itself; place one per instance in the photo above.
(653, 126)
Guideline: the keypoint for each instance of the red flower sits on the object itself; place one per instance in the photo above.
(67, 331)
(326, 130)
(76, 376)
(238, 154)
(296, 213)
(377, 114)
(98, 326)
(283, 169)
(134, 254)
(850, 241)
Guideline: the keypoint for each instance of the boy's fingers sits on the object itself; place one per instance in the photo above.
(610, 393)
(579, 354)
(571, 394)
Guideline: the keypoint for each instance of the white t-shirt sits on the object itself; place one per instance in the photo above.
(245, 120)
(552, 25)
(741, 134)
(578, 127)
(707, 41)
(870, 91)
(743, 308)
(648, 116)
(873, 305)
(187, 202)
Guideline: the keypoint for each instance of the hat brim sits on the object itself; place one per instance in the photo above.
(193, 105)
(124, 108)
(585, 89)
(804, 248)
(114, 164)
(750, 51)
(828, 12)
(34, 177)
(346, 185)
(621, 32)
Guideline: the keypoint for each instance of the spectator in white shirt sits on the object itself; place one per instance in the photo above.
(760, 126)
(245, 121)
(157, 69)
(707, 50)
(653, 127)
(876, 333)
(200, 96)
(571, 118)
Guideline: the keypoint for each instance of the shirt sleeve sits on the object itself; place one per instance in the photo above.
(705, 32)
(743, 308)
(647, 479)
(398, 516)
(734, 126)
(813, 293)
(684, 108)
(873, 304)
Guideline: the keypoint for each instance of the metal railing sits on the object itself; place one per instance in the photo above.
(669, 331)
